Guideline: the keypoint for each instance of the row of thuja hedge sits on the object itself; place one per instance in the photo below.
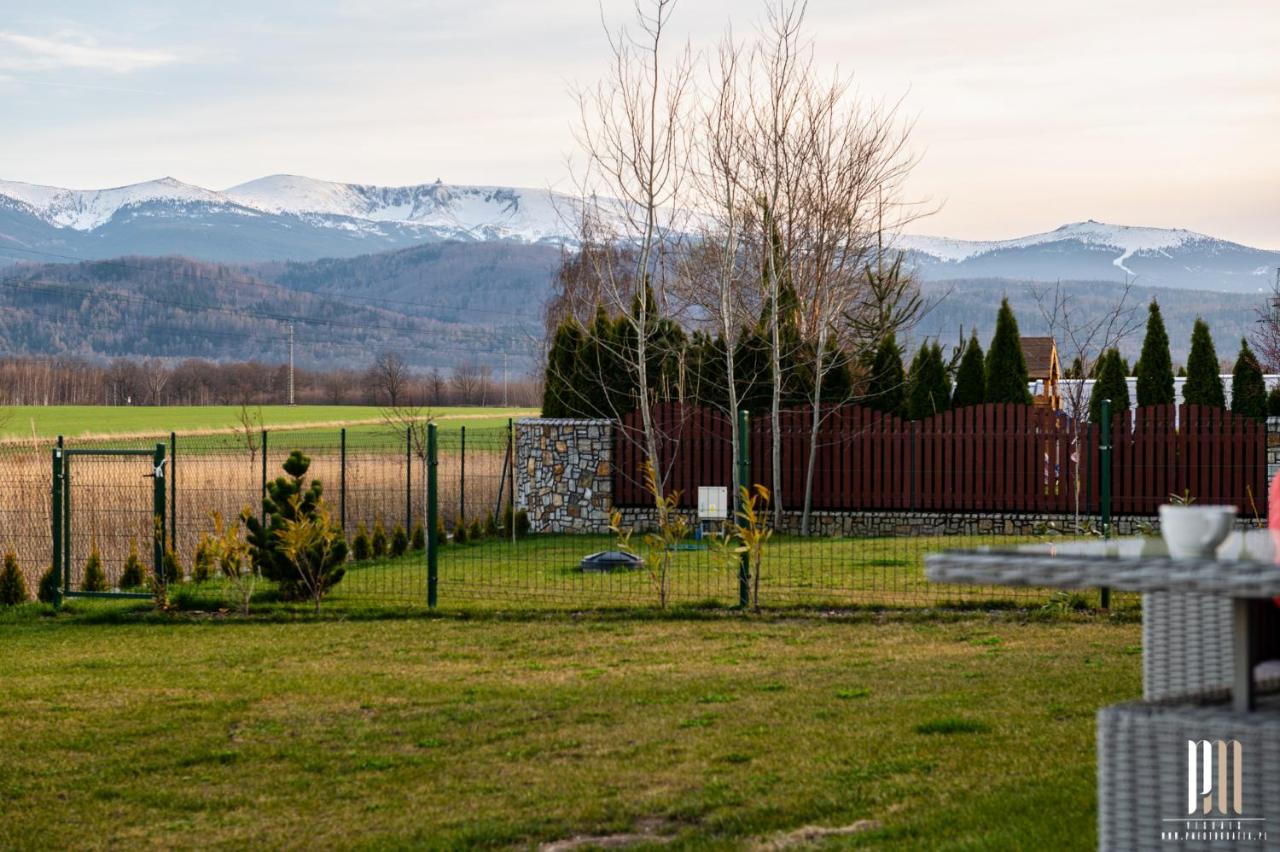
(365, 545)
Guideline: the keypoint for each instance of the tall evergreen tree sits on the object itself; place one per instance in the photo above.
(886, 385)
(562, 369)
(928, 391)
(1006, 368)
(1111, 384)
(1248, 388)
(1076, 370)
(971, 377)
(1155, 367)
(1204, 384)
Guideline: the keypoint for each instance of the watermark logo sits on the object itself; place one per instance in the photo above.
(1215, 777)
(1215, 797)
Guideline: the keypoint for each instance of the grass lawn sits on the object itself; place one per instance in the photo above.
(77, 420)
(543, 571)
(715, 730)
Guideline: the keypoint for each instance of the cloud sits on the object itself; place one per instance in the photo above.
(34, 53)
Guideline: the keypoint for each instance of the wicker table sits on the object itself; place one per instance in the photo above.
(1202, 620)
(1243, 571)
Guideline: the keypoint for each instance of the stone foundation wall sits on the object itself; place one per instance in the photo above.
(900, 523)
(564, 474)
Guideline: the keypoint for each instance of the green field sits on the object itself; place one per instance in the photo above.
(719, 731)
(80, 420)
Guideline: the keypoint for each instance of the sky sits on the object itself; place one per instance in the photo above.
(1027, 114)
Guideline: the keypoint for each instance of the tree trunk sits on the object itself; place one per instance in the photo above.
(813, 431)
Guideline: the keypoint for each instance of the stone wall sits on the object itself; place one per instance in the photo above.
(564, 478)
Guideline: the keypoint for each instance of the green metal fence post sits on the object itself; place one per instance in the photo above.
(1104, 463)
(462, 473)
(432, 544)
(511, 493)
(66, 516)
(408, 479)
(157, 508)
(744, 481)
(263, 493)
(56, 517)
(342, 479)
(173, 491)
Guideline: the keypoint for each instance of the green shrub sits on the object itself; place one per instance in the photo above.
(442, 536)
(315, 549)
(172, 567)
(1273, 402)
(95, 579)
(13, 586)
(475, 532)
(131, 576)
(522, 523)
(399, 541)
(360, 544)
(460, 531)
(50, 587)
(378, 543)
(491, 526)
(418, 541)
(202, 566)
(507, 517)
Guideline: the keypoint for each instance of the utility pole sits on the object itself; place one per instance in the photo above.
(504, 371)
(291, 363)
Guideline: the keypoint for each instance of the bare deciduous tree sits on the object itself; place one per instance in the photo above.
(390, 375)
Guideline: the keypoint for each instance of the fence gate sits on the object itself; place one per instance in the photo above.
(108, 502)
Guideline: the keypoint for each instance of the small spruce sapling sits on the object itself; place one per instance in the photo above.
(95, 579)
(13, 586)
(442, 535)
(360, 544)
(378, 543)
(418, 541)
(50, 588)
(172, 565)
(202, 564)
(460, 531)
(475, 533)
(523, 527)
(131, 575)
(399, 541)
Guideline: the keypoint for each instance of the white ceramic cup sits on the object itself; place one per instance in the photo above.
(1195, 530)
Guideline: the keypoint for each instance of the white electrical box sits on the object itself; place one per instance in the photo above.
(713, 503)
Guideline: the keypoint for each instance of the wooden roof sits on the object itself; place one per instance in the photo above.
(1040, 354)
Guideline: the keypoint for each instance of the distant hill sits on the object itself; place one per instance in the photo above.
(178, 308)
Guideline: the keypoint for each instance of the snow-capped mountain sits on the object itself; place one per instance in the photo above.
(1096, 251)
(289, 217)
(281, 217)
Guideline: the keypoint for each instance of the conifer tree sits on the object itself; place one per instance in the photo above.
(886, 385)
(1273, 402)
(1076, 370)
(1248, 388)
(291, 500)
(1155, 367)
(399, 541)
(1006, 367)
(971, 378)
(563, 360)
(50, 586)
(95, 579)
(132, 575)
(418, 541)
(1111, 384)
(378, 541)
(1204, 384)
(360, 544)
(13, 586)
(928, 391)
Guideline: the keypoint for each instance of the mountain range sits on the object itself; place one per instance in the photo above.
(294, 218)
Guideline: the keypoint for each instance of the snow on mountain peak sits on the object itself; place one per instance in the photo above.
(1125, 240)
(86, 209)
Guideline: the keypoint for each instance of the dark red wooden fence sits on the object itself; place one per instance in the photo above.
(990, 458)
